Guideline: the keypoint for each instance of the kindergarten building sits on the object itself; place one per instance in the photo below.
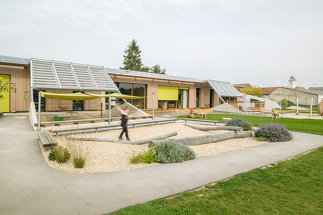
(157, 91)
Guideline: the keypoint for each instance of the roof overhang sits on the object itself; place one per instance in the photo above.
(14, 61)
(57, 75)
(224, 89)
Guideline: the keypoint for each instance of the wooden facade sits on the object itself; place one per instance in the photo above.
(19, 100)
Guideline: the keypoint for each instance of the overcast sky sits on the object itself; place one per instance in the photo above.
(262, 42)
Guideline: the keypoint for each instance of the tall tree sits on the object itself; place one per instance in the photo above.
(132, 60)
(132, 57)
(157, 69)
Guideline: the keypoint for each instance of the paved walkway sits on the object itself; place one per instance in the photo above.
(29, 186)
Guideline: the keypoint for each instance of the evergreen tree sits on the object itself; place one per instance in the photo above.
(157, 69)
(132, 57)
(132, 60)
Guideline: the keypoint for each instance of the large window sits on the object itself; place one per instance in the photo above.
(183, 98)
(211, 98)
(172, 97)
(197, 97)
(134, 90)
(42, 101)
(78, 105)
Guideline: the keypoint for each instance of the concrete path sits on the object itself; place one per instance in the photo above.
(29, 186)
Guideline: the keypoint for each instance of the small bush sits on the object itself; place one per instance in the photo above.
(78, 162)
(61, 154)
(51, 155)
(273, 133)
(78, 151)
(135, 159)
(172, 152)
(144, 157)
(244, 124)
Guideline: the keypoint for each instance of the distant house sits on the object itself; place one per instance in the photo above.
(241, 87)
(292, 92)
(319, 91)
(304, 96)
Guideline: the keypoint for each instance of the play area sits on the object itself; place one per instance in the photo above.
(105, 153)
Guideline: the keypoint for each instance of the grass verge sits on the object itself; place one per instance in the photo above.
(312, 126)
(289, 187)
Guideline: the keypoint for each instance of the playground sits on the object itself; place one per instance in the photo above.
(114, 155)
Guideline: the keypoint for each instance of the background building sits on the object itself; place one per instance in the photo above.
(32, 75)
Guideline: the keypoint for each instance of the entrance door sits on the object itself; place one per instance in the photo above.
(5, 96)
(211, 98)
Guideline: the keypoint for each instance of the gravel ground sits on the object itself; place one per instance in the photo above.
(110, 157)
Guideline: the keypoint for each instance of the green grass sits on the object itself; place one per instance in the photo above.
(289, 187)
(312, 126)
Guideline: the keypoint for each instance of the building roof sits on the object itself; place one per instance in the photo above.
(246, 85)
(268, 90)
(300, 88)
(224, 88)
(7, 60)
(48, 74)
(150, 75)
(318, 90)
(292, 78)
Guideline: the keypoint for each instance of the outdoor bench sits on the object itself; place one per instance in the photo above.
(86, 129)
(76, 122)
(201, 120)
(46, 139)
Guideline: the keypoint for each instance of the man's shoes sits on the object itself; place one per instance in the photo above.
(128, 139)
(120, 139)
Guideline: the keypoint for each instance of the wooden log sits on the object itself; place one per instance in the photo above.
(210, 138)
(214, 128)
(138, 142)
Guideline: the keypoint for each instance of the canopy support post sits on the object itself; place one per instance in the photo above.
(153, 107)
(39, 109)
(110, 109)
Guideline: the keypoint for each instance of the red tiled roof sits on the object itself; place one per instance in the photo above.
(293, 78)
(300, 88)
(242, 85)
(268, 90)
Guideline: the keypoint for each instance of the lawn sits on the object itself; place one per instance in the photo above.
(289, 187)
(312, 126)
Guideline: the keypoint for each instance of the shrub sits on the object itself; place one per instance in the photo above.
(51, 155)
(273, 133)
(78, 151)
(168, 151)
(135, 159)
(61, 154)
(244, 124)
(78, 162)
(144, 157)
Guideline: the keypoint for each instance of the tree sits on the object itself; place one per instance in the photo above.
(6, 86)
(145, 69)
(132, 60)
(132, 57)
(156, 69)
(255, 91)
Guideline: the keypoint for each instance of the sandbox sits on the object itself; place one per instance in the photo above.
(114, 156)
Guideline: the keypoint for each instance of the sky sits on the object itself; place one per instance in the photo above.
(261, 42)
